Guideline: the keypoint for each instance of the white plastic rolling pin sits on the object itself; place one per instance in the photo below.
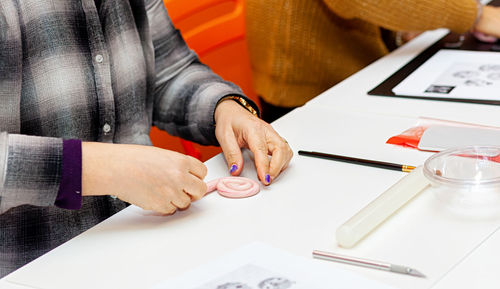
(366, 220)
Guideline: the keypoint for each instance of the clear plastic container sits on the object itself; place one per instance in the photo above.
(467, 179)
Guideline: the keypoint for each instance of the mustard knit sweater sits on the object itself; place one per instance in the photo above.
(299, 48)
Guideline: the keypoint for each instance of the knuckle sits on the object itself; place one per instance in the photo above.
(183, 206)
(228, 133)
(204, 187)
(184, 202)
(191, 159)
(166, 209)
(170, 210)
(202, 190)
(231, 155)
(260, 127)
(203, 169)
(179, 175)
(261, 148)
(284, 147)
(185, 161)
(199, 192)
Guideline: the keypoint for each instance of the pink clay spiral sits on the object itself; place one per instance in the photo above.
(234, 187)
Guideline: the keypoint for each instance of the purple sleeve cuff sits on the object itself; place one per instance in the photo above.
(70, 188)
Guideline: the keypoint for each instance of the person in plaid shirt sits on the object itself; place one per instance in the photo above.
(81, 83)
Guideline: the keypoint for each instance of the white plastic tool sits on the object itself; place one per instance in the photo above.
(366, 220)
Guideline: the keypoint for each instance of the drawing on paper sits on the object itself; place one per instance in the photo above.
(275, 283)
(465, 74)
(234, 285)
(455, 74)
(251, 276)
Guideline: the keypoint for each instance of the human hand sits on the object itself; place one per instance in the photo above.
(236, 128)
(409, 35)
(151, 178)
(484, 38)
(488, 24)
(403, 37)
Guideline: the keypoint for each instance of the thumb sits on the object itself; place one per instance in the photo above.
(232, 153)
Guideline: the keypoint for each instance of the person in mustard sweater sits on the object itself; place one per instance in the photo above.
(299, 48)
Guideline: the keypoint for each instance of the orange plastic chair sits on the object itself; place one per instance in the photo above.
(215, 30)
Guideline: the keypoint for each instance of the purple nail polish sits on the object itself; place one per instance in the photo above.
(233, 169)
(268, 179)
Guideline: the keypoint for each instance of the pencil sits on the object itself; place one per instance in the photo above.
(357, 161)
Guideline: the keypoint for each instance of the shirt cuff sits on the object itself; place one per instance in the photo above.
(70, 188)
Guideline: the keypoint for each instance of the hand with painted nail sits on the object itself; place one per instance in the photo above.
(237, 128)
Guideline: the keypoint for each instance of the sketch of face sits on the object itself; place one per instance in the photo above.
(494, 76)
(489, 67)
(275, 283)
(477, 82)
(233, 285)
(466, 74)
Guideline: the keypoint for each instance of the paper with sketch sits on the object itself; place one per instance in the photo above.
(457, 74)
(259, 266)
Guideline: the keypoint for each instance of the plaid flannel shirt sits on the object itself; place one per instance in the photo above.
(92, 70)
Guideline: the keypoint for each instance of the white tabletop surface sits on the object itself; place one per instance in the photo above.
(4, 284)
(302, 209)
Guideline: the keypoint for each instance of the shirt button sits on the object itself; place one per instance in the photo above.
(99, 58)
(106, 128)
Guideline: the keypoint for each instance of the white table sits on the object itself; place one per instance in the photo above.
(302, 209)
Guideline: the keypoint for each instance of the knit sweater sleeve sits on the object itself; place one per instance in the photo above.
(410, 15)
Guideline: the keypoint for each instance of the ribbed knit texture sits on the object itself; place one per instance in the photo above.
(299, 48)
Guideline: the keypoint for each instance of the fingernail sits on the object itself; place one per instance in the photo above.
(268, 179)
(233, 169)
